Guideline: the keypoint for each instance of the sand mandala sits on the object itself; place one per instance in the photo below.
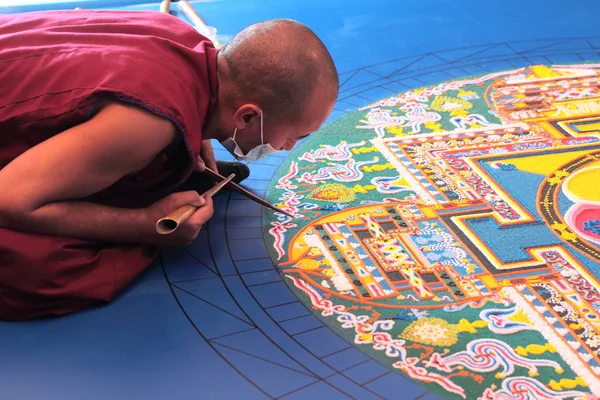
(453, 232)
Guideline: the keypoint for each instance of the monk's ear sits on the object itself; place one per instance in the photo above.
(245, 115)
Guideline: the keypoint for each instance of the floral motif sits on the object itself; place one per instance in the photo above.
(432, 331)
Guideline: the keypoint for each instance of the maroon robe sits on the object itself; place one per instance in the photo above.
(54, 67)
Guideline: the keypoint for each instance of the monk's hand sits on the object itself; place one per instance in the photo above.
(207, 156)
(188, 230)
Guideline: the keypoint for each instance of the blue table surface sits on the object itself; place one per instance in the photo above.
(215, 321)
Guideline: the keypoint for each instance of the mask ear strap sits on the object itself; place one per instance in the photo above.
(261, 127)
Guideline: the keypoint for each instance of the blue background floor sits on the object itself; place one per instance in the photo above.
(215, 320)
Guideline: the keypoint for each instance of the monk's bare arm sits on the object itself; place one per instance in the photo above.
(40, 189)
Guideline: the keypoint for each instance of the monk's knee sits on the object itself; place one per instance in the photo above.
(16, 306)
(44, 276)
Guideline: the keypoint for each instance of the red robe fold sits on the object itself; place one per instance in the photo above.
(54, 67)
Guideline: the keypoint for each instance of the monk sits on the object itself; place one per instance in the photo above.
(104, 117)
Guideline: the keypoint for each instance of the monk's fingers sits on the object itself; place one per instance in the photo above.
(202, 214)
(189, 229)
(200, 165)
(190, 197)
(207, 154)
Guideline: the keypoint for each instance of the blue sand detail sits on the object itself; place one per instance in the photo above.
(527, 274)
(508, 242)
(564, 203)
(523, 186)
(592, 265)
(593, 226)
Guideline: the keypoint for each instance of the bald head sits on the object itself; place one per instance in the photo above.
(281, 65)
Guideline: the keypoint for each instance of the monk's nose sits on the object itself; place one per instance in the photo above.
(289, 145)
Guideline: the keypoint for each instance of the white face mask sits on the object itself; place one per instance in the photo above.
(254, 154)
